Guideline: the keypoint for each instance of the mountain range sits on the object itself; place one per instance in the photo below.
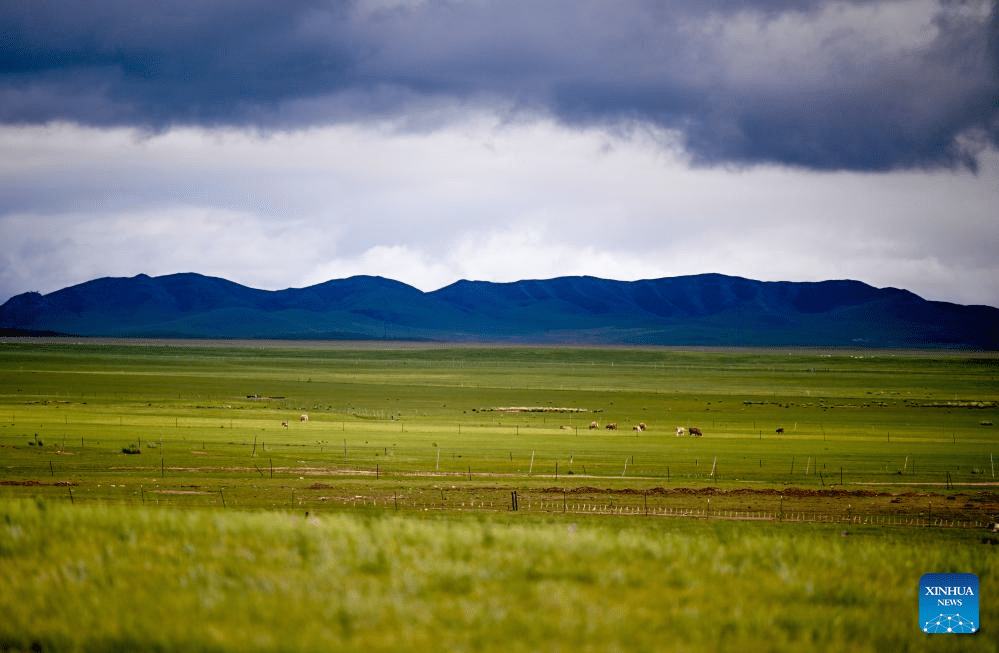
(697, 310)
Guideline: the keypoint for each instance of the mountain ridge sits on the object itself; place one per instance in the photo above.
(704, 309)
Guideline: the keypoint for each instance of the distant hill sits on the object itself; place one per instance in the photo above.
(706, 310)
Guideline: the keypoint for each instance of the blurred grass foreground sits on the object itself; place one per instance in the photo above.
(101, 577)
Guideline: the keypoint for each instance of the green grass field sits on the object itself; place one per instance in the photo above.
(407, 466)
(102, 577)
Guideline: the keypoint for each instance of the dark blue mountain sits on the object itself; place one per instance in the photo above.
(705, 310)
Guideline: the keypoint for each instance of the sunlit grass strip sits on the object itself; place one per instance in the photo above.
(100, 577)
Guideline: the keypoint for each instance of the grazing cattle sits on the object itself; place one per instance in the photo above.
(780, 429)
(993, 527)
(612, 426)
(695, 432)
(303, 418)
(680, 431)
(635, 428)
(284, 423)
(594, 425)
(642, 426)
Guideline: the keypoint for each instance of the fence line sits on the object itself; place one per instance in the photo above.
(528, 503)
(554, 506)
(576, 508)
(395, 503)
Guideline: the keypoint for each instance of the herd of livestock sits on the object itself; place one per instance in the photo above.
(641, 426)
(681, 431)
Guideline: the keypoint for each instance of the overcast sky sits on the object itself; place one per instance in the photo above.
(282, 143)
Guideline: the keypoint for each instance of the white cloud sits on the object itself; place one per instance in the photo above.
(46, 252)
(399, 262)
(479, 199)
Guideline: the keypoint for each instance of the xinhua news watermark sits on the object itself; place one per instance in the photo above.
(948, 603)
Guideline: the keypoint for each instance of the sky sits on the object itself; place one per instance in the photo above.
(283, 143)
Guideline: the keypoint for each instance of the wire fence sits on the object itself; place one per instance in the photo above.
(322, 497)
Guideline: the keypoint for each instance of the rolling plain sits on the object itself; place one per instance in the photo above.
(169, 496)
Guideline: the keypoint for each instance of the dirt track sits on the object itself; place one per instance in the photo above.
(710, 491)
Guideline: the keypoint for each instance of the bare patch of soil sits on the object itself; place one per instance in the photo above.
(33, 483)
(535, 409)
(710, 491)
(180, 492)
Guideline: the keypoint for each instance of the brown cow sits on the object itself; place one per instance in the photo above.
(612, 426)
(695, 432)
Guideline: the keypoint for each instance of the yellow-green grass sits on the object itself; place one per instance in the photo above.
(212, 416)
(99, 577)
(407, 469)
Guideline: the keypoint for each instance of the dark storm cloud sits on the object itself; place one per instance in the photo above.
(736, 82)
(153, 64)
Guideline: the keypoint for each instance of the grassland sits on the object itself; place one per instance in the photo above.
(407, 468)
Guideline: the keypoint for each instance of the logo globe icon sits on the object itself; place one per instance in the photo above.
(949, 623)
